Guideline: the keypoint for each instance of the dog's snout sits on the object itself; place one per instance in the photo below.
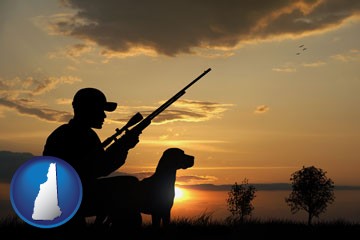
(192, 160)
(189, 162)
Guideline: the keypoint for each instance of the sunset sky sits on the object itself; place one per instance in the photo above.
(283, 91)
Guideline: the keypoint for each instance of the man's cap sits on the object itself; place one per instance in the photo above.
(89, 98)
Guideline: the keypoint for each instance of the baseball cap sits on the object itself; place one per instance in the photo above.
(91, 97)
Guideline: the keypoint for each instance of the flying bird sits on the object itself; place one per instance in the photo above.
(301, 46)
(304, 49)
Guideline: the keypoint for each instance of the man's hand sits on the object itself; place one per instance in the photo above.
(118, 150)
(129, 140)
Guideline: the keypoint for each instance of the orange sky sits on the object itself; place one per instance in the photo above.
(263, 111)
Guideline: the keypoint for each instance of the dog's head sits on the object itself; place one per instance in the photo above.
(175, 158)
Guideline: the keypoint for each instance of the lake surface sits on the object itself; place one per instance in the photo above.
(267, 205)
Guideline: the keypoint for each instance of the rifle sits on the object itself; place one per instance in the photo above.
(143, 123)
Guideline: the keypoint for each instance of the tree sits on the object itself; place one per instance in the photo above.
(239, 200)
(312, 191)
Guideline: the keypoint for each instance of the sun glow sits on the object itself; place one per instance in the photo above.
(180, 194)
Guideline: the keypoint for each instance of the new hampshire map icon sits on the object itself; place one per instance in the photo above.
(46, 203)
(46, 192)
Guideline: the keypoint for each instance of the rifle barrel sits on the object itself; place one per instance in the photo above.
(146, 121)
(175, 97)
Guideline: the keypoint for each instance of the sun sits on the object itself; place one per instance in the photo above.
(179, 194)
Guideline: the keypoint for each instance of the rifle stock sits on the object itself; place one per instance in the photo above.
(144, 123)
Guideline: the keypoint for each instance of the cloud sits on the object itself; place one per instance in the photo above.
(77, 50)
(20, 94)
(284, 69)
(32, 86)
(64, 101)
(186, 110)
(184, 26)
(193, 179)
(261, 109)
(47, 114)
(352, 56)
(314, 64)
(72, 52)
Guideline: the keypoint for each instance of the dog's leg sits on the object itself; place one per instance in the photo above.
(100, 219)
(166, 219)
(155, 220)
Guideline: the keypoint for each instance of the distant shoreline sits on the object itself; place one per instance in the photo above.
(258, 186)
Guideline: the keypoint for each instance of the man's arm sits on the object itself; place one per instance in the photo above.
(116, 154)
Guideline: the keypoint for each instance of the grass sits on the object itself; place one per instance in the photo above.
(201, 227)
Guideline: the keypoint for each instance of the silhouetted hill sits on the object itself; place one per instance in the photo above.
(10, 162)
(258, 186)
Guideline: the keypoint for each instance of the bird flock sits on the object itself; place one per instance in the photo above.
(301, 47)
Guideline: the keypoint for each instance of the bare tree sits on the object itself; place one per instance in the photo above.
(240, 198)
(312, 191)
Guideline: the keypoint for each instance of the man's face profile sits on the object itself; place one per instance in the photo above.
(96, 117)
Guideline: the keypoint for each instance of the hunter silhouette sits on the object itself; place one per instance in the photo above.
(78, 144)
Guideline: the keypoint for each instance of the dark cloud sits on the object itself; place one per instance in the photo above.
(46, 114)
(20, 94)
(10, 162)
(173, 27)
(33, 86)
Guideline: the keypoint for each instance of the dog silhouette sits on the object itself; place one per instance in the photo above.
(157, 192)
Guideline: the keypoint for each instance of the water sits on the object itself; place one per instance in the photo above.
(267, 205)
